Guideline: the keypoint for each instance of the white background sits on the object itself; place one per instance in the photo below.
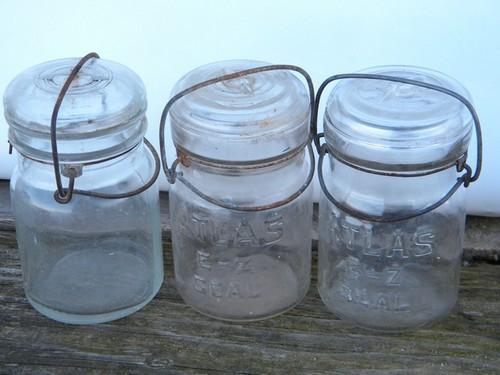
(162, 40)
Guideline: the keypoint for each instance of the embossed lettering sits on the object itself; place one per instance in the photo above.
(216, 289)
(349, 235)
(219, 289)
(203, 259)
(423, 243)
(346, 292)
(390, 302)
(398, 247)
(274, 227)
(200, 284)
(352, 236)
(233, 290)
(393, 278)
(202, 227)
(243, 266)
(245, 236)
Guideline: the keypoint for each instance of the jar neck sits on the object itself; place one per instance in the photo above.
(116, 176)
(402, 170)
(81, 148)
(188, 160)
(376, 194)
(88, 166)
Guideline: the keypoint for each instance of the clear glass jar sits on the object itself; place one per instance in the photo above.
(242, 142)
(393, 150)
(90, 260)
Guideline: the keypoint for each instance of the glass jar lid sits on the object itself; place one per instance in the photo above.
(253, 118)
(390, 126)
(102, 114)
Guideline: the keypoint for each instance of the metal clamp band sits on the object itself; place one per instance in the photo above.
(172, 175)
(461, 163)
(64, 195)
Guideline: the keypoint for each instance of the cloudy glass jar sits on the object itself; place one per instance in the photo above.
(240, 207)
(90, 259)
(394, 151)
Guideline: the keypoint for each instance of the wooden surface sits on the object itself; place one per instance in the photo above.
(167, 337)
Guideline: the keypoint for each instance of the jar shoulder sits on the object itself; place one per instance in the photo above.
(33, 186)
(255, 186)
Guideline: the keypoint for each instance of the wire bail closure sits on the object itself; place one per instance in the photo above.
(461, 163)
(64, 195)
(171, 173)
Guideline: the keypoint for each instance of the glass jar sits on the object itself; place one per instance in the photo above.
(94, 255)
(392, 215)
(242, 212)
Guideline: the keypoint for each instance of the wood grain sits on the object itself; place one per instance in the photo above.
(167, 337)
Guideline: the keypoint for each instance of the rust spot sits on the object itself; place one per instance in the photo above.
(183, 158)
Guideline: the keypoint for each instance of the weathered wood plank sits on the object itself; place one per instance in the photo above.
(482, 236)
(168, 337)
(6, 219)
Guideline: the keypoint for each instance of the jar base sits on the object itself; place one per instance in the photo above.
(81, 319)
(385, 329)
(250, 319)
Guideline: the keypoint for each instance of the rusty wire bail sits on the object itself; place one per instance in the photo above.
(171, 173)
(461, 163)
(64, 195)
